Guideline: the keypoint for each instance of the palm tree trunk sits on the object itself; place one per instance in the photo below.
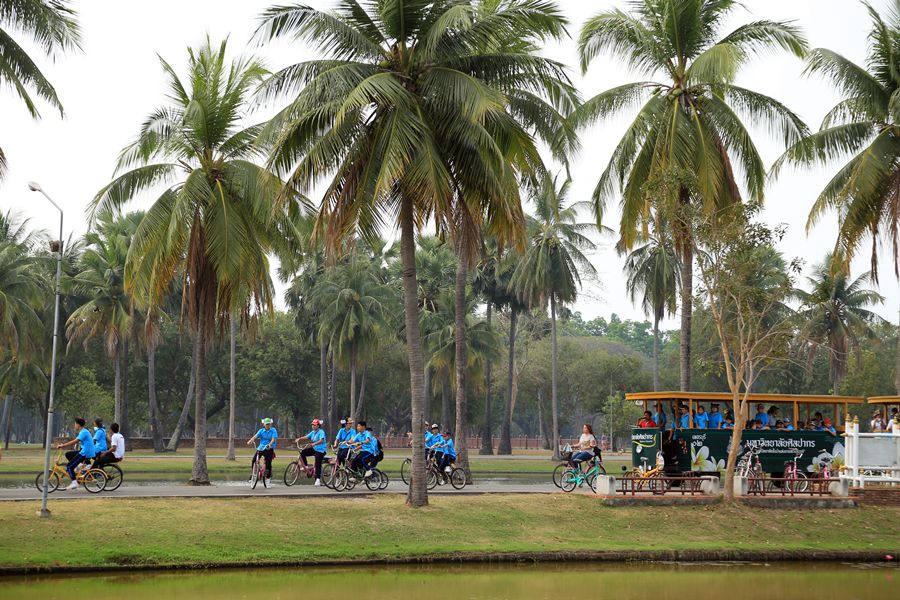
(185, 411)
(655, 354)
(487, 444)
(361, 397)
(897, 373)
(323, 385)
(418, 492)
(445, 400)
(199, 472)
(232, 366)
(462, 359)
(353, 384)
(332, 384)
(117, 386)
(505, 445)
(554, 397)
(687, 296)
(124, 425)
(155, 425)
(427, 402)
(6, 421)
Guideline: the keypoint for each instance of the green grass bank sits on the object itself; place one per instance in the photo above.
(110, 533)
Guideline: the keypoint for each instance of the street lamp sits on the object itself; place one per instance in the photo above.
(55, 246)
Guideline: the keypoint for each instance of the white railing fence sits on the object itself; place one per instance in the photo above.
(871, 457)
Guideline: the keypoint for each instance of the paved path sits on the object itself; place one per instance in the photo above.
(234, 490)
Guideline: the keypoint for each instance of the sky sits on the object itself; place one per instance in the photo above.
(109, 88)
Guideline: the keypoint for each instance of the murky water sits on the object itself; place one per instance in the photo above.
(637, 581)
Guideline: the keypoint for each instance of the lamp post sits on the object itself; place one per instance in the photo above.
(58, 247)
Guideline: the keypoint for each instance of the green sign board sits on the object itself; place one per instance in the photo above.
(707, 449)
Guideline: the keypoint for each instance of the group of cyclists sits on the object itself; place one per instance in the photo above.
(100, 447)
(356, 436)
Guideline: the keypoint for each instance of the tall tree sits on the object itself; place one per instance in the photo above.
(863, 129)
(403, 116)
(688, 133)
(551, 270)
(52, 25)
(835, 314)
(653, 273)
(215, 223)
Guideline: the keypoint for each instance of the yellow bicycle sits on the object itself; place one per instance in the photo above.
(646, 478)
(93, 480)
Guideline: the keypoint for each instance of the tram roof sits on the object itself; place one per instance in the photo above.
(884, 400)
(765, 398)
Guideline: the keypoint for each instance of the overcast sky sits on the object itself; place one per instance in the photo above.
(110, 87)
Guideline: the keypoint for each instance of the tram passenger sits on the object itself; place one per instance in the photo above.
(715, 417)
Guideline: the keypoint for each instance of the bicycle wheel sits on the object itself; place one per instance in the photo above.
(254, 477)
(52, 482)
(799, 484)
(114, 477)
(94, 480)
(431, 479)
(405, 467)
(339, 480)
(384, 481)
(557, 473)
(569, 480)
(328, 474)
(373, 481)
(352, 480)
(291, 474)
(458, 479)
(656, 484)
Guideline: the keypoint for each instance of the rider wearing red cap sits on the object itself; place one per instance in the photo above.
(318, 447)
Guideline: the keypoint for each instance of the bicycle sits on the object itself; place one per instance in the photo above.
(825, 461)
(431, 477)
(297, 467)
(653, 479)
(795, 479)
(93, 480)
(575, 477)
(749, 466)
(567, 463)
(346, 477)
(457, 477)
(114, 476)
(258, 471)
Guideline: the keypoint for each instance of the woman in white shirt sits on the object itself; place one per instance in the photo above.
(586, 445)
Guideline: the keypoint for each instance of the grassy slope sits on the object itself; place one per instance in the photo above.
(197, 531)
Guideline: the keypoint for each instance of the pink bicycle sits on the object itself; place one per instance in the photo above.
(795, 479)
(299, 467)
(258, 471)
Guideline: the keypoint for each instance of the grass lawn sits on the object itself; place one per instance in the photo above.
(19, 465)
(202, 531)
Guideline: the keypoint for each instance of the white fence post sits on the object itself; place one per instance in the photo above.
(895, 474)
(851, 434)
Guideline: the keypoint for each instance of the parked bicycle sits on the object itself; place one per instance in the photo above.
(795, 479)
(93, 480)
(647, 478)
(750, 467)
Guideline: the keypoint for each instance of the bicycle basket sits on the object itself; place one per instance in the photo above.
(566, 456)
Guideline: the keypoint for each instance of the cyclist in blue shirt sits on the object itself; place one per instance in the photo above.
(345, 434)
(448, 451)
(715, 417)
(317, 447)
(367, 446)
(267, 436)
(432, 437)
(701, 419)
(84, 453)
(100, 443)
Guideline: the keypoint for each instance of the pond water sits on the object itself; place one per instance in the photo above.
(634, 581)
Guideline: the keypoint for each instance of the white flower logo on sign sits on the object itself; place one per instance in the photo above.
(836, 456)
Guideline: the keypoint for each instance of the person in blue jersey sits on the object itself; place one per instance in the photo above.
(684, 418)
(344, 435)
(379, 449)
(84, 453)
(659, 417)
(267, 438)
(317, 448)
(365, 442)
(761, 415)
(715, 417)
(728, 422)
(447, 451)
(827, 426)
(432, 437)
(101, 444)
(701, 419)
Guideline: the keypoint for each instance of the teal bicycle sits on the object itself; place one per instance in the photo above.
(574, 477)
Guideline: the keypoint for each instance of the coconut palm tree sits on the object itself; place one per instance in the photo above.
(404, 116)
(108, 310)
(679, 151)
(551, 270)
(653, 273)
(862, 129)
(21, 287)
(49, 24)
(215, 224)
(835, 315)
(353, 306)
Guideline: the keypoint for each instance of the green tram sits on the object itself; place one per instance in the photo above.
(705, 451)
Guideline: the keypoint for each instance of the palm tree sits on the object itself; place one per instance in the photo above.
(863, 129)
(551, 269)
(653, 273)
(108, 310)
(404, 117)
(52, 26)
(835, 316)
(679, 151)
(214, 225)
(353, 307)
(20, 295)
